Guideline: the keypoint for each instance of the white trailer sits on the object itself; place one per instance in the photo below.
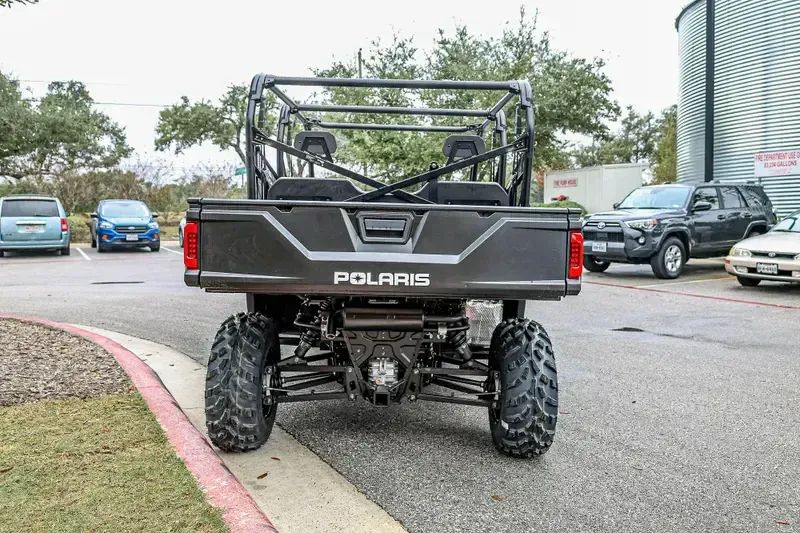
(595, 188)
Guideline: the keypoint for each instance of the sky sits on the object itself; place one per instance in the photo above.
(155, 51)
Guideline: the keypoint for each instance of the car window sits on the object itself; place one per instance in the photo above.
(124, 209)
(753, 198)
(29, 208)
(655, 198)
(790, 224)
(707, 194)
(730, 197)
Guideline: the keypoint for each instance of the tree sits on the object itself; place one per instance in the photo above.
(9, 3)
(572, 95)
(665, 166)
(634, 143)
(188, 124)
(62, 134)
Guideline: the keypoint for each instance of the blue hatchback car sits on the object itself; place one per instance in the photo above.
(124, 223)
(33, 222)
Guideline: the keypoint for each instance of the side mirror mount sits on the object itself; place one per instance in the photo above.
(702, 206)
(93, 215)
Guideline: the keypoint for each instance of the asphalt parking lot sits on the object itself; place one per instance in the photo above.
(679, 400)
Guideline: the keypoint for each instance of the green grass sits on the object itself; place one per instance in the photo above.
(102, 464)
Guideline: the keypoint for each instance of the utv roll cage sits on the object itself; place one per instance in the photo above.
(465, 148)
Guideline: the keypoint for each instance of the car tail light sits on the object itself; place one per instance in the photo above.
(575, 254)
(64, 225)
(191, 245)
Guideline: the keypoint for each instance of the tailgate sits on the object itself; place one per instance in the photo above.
(289, 247)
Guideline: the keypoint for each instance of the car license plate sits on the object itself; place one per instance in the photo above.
(599, 246)
(131, 237)
(767, 268)
(31, 229)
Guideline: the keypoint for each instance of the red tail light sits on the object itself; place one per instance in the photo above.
(575, 254)
(191, 245)
(64, 225)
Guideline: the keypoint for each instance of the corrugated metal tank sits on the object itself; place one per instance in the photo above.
(756, 91)
(691, 92)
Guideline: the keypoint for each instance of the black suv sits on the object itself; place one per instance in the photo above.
(664, 225)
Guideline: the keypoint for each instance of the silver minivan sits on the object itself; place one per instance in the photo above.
(33, 222)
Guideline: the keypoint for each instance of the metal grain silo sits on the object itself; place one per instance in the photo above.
(691, 92)
(739, 95)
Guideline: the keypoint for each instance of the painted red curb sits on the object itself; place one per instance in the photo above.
(690, 295)
(239, 510)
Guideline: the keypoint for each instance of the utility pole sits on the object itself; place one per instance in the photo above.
(359, 63)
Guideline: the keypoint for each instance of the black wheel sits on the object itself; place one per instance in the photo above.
(180, 237)
(755, 233)
(748, 282)
(239, 413)
(670, 259)
(94, 243)
(2, 253)
(592, 264)
(65, 251)
(101, 248)
(523, 420)
(155, 247)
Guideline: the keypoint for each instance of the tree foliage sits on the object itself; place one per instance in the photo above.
(572, 95)
(9, 3)
(634, 143)
(665, 157)
(63, 133)
(188, 124)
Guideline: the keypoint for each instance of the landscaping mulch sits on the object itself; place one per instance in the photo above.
(38, 363)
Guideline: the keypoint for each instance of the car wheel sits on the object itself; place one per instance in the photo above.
(180, 237)
(592, 264)
(748, 282)
(155, 247)
(94, 243)
(65, 251)
(101, 248)
(668, 263)
(2, 253)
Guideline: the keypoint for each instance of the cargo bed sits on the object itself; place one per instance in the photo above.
(371, 249)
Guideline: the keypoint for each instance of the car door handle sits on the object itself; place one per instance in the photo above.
(720, 217)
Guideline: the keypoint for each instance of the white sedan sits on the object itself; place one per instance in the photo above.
(774, 256)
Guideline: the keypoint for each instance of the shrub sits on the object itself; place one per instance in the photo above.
(79, 227)
(565, 204)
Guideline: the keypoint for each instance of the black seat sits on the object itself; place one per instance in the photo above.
(313, 189)
(466, 193)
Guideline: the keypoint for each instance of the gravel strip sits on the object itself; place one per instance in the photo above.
(38, 362)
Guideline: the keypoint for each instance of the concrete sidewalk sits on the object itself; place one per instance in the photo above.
(299, 492)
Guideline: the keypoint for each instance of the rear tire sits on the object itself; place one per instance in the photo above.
(2, 253)
(748, 282)
(94, 243)
(670, 259)
(65, 251)
(592, 264)
(237, 418)
(180, 238)
(523, 420)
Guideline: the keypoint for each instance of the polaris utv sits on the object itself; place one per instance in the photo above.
(407, 291)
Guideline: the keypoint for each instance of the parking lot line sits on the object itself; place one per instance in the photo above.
(703, 296)
(685, 282)
(171, 250)
(83, 254)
